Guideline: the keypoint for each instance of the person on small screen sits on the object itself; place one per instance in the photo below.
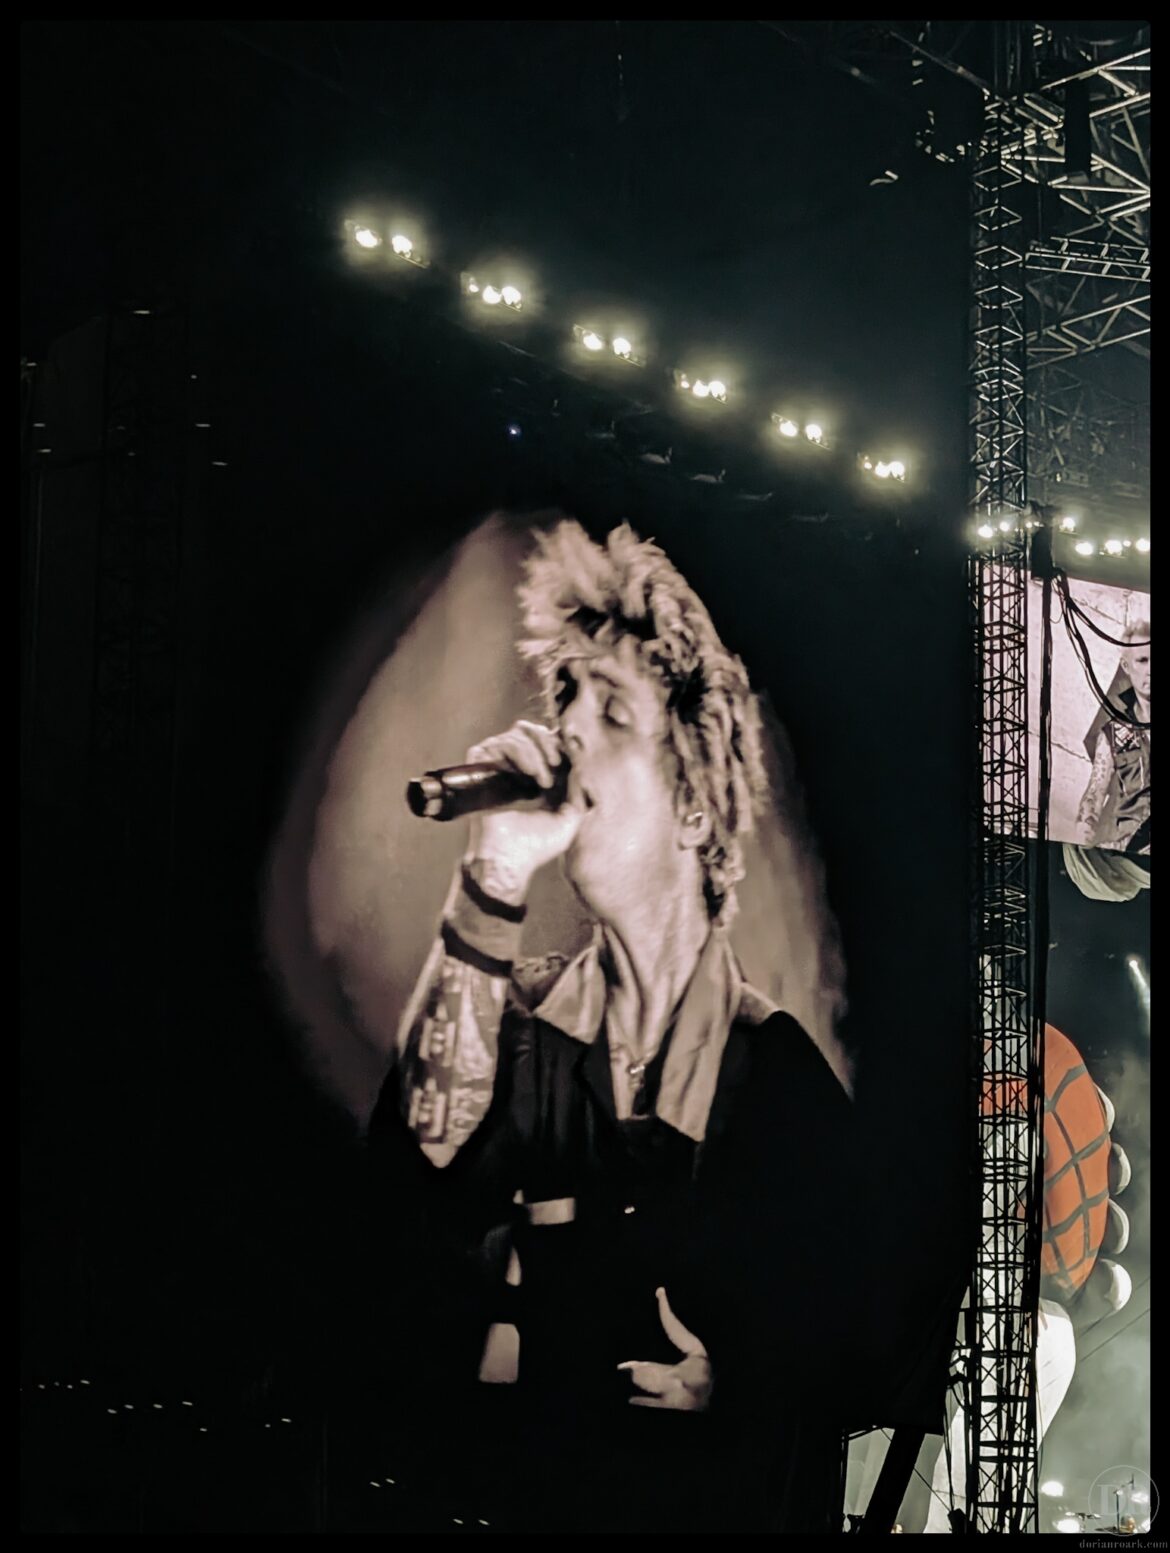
(1115, 809)
(670, 1149)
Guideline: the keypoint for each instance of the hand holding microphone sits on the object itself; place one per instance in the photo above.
(511, 843)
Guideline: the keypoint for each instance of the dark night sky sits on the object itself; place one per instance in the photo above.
(711, 176)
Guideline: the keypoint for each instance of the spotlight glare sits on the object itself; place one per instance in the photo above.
(402, 246)
(1141, 983)
(1069, 1523)
(882, 471)
(622, 347)
(1052, 1489)
(718, 390)
(511, 296)
(787, 428)
(473, 288)
(365, 238)
(898, 469)
(1085, 547)
(986, 531)
(700, 389)
(591, 341)
(1005, 525)
(1143, 545)
(1113, 547)
(491, 296)
(1068, 525)
(814, 433)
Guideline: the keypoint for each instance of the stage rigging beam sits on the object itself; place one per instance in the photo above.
(998, 1351)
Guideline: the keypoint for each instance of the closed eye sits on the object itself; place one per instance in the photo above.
(566, 691)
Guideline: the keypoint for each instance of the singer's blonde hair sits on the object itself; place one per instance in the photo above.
(576, 592)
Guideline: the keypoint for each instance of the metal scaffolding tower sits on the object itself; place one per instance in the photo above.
(1002, 1310)
(1061, 274)
(1085, 152)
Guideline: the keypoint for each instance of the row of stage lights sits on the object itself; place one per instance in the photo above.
(498, 293)
(1114, 547)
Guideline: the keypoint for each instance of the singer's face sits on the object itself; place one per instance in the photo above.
(1137, 662)
(613, 724)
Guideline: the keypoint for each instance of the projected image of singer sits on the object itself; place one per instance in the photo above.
(1115, 808)
(667, 1147)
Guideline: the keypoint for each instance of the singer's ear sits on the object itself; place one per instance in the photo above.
(695, 829)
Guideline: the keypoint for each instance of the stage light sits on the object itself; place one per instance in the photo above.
(701, 388)
(1143, 545)
(1069, 1523)
(1113, 547)
(1085, 547)
(898, 469)
(786, 428)
(986, 531)
(882, 471)
(623, 348)
(1141, 983)
(402, 246)
(473, 288)
(591, 341)
(364, 237)
(514, 430)
(491, 296)
(1006, 525)
(512, 296)
(1052, 1489)
(1068, 525)
(814, 433)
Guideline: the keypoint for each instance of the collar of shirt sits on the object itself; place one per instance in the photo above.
(576, 1007)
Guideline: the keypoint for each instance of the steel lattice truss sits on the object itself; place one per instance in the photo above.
(1089, 289)
(1111, 197)
(997, 408)
(1000, 1336)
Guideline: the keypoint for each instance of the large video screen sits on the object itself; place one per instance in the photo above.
(638, 1092)
(637, 1053)
(1100, 741)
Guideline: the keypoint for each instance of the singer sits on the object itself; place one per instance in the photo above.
(654, 1158)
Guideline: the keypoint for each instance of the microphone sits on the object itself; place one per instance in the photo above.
(455, 791)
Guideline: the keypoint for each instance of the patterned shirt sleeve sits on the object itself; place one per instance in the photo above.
(1096, 790)
(449, 1037)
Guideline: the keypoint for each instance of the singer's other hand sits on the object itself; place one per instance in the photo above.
(509, 845)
